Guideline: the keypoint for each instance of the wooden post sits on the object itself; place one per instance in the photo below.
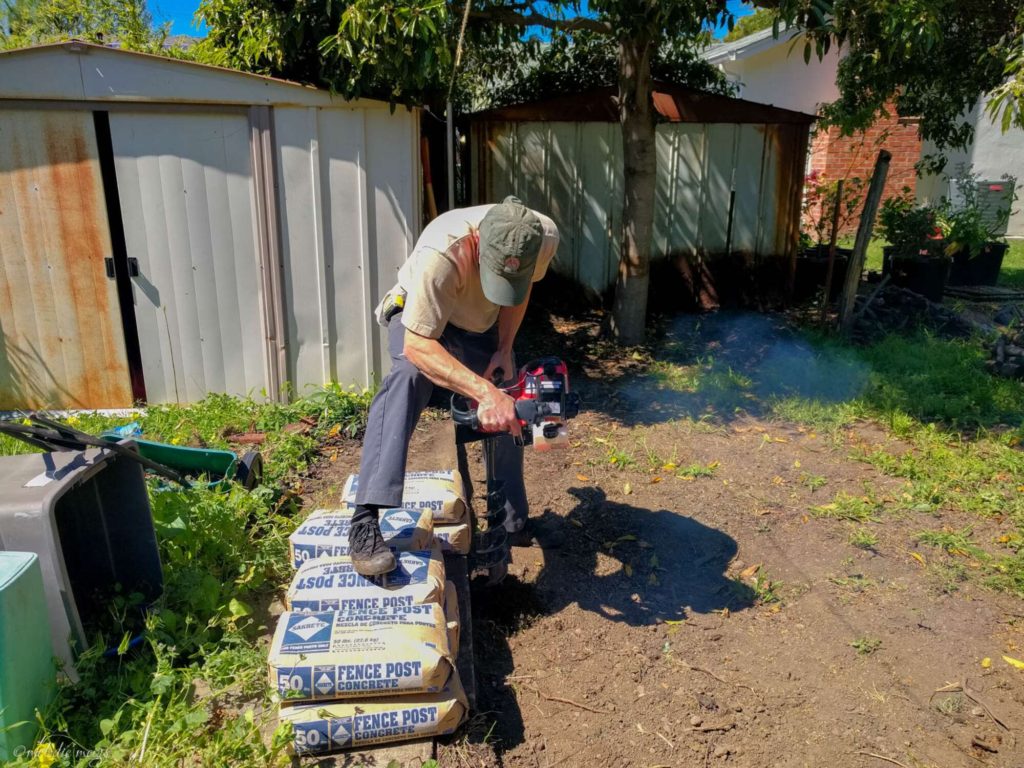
(428, 181)
(832, 249)
(860, 246)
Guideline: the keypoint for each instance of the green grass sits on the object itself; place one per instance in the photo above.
(958, 429)
(953, 542)
(224, 555)
(963, 428)
(844, 506)
(703, 376)
(862, 538)
(1012, 274)
(873, 260)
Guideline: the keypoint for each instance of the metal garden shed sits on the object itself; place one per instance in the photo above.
(169, 229)
(730, 177)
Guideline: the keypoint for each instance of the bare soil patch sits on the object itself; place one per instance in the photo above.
(658, 620)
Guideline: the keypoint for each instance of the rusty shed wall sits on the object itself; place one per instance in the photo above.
(573, 171)
(61, 342)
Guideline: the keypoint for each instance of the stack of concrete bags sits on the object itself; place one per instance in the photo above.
(443, 494)
(357, 661)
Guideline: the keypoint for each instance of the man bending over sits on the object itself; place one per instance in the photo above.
(452, 318)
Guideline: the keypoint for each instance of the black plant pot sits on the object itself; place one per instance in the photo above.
(921, 274)
(811, 269)
(980, 269)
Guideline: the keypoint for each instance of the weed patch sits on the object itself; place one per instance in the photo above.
(865, 646)
(193, 690)
(862, 538)
(953, 542)
(861, 509)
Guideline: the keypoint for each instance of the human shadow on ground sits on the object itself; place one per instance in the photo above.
(719, 366)
(627, 564)
(633, 565)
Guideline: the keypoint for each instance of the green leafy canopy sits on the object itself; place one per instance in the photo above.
(128, 22)
(929, 59)
(404, 50)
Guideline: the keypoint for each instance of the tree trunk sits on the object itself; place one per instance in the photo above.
(636, 114)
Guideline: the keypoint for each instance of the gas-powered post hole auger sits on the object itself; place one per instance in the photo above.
(544, 404)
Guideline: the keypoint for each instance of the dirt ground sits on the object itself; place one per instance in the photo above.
(662, 621)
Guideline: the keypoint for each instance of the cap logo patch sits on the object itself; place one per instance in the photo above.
(511, 265)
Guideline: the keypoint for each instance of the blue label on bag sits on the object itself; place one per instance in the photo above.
(308, 633)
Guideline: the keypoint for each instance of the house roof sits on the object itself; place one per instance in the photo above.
(750, 45)
(80, 71)
(674, 103)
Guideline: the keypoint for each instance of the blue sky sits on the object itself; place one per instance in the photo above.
(180, 13)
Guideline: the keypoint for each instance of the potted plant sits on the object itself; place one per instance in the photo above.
(915, 257)
(819, 208)
(971, 234)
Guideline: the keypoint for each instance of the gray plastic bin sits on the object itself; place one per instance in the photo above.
(86, 515)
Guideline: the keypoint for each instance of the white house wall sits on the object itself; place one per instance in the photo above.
(187, 201)
(992, 154)
(778, 75)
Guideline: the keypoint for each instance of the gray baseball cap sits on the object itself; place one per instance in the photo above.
(510, 240)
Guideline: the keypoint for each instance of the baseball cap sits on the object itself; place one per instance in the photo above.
(510, 240)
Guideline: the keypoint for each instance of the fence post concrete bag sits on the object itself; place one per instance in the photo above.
(440, 491)
(377, 652)
(331, 583)
(454, 538)
(451, 614)
(327, 727)
(325, 532)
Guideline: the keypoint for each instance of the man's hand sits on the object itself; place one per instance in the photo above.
(497, 413)
(500, 361)
(496, 410)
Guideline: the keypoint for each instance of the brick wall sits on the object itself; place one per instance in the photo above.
(843, 157)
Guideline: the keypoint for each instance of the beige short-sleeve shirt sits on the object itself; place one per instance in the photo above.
(441, 278)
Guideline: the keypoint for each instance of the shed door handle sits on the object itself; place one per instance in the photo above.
(133, 267)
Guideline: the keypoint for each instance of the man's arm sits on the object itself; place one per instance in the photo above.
(509, 320)
(496, 409)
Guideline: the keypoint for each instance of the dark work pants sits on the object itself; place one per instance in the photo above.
(396, 408)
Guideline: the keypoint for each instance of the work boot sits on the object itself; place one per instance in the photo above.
(370, 555)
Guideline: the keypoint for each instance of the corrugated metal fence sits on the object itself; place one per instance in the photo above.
(573, 172)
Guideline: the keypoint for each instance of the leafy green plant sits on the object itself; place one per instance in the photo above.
(951, 704)
(906, 226)
(693, 471)
(819, 205)
(766, 591)
(865, 646)
(965, 225)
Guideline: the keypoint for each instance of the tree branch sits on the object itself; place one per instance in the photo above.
(534, 19)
